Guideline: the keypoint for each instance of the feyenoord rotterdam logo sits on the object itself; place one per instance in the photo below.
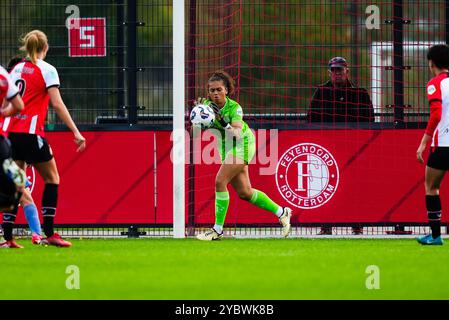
(307, 175)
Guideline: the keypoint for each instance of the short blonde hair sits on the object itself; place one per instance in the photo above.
(33, 43)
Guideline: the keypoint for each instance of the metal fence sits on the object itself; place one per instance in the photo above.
(132, 78)
(282, 49)
(277, 51)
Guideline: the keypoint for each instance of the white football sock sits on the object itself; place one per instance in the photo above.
(280, 211)
(218, 228)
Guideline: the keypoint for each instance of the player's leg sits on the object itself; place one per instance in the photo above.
(235, 161)
(246, 149)
(11, 177)
(9, 200)
(433, 179)
(7, 226)
(30, 210)
(22, 145)
(437, 164)
(242, 185)
(49, 173)
(230, 167)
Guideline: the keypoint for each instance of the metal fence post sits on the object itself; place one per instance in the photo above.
(398, 63)
(446, 20)
(120, 58)
(191, 85)
(132, 61)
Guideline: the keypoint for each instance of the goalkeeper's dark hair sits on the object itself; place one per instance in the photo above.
(13, 61)
(439, 54)
(228, 81)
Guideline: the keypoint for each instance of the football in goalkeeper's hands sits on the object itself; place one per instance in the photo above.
(202, 115)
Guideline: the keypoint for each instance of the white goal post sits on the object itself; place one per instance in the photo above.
(178, 120)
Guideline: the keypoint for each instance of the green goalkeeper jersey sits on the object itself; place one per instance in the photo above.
(231, 112)
(244, 147)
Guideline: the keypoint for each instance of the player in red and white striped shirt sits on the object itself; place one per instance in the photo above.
(11, 102)
(12, 178)
(38, 82)
(437, 132)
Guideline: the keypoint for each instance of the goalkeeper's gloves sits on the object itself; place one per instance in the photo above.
(218, 116)
(199, 101)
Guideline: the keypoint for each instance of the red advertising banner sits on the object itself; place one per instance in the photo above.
(333, 176)
(111, 182)
(323, 175)
(87, 37)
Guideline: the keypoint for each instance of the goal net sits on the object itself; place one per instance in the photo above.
(347, 172)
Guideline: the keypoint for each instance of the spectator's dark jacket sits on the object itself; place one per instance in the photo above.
(341, 104)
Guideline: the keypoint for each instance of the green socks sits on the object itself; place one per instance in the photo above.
(221, 208)
(258, 198)
(261, 200)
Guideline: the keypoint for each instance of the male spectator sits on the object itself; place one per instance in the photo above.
(339, 100)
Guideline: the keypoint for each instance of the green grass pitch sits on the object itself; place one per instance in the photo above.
(269, 269)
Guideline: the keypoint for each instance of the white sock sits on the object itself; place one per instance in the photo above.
(218, 228)
(280, 211)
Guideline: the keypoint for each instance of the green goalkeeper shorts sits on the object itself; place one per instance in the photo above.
(244, 149)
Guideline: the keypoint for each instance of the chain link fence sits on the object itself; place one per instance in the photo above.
(277, 51)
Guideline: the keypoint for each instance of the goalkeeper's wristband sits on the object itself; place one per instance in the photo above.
(225, 124)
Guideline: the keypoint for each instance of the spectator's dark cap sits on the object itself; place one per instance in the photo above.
(337, 62)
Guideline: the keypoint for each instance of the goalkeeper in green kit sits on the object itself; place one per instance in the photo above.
(237, 147)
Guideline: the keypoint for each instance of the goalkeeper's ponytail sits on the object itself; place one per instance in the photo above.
(228, 81)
